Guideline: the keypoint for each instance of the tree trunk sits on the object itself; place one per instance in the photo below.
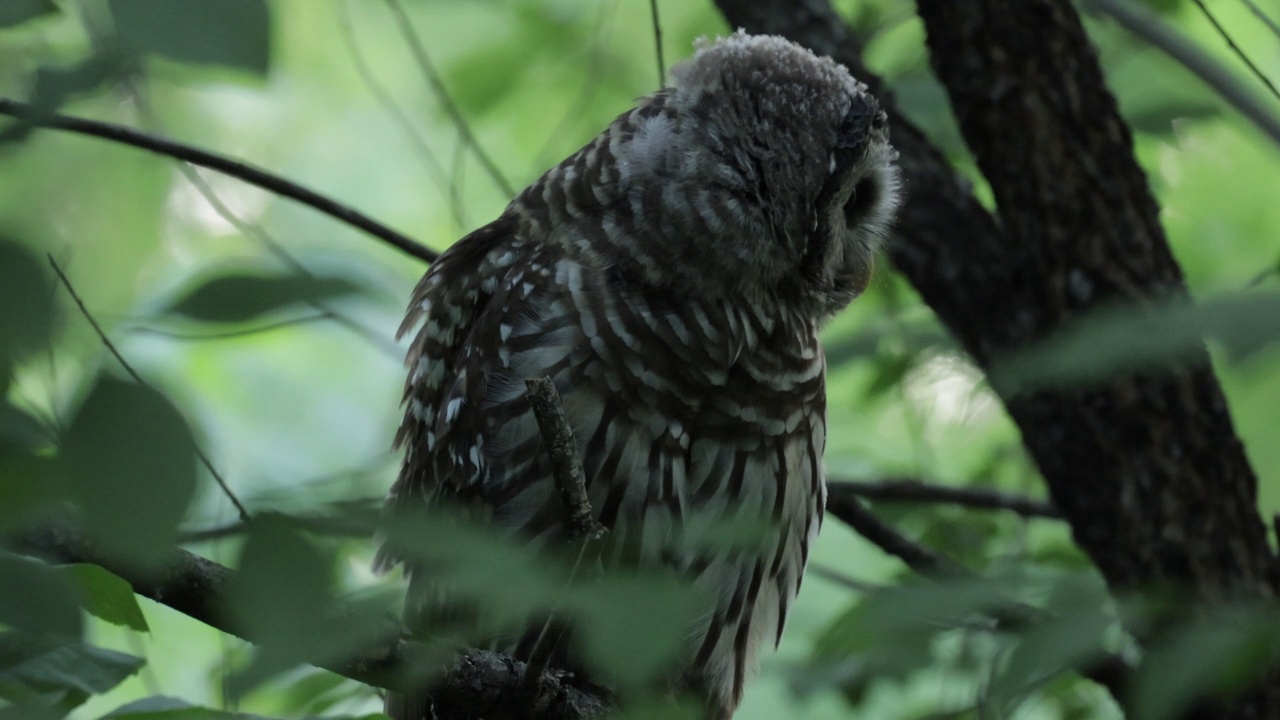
(1146, 467)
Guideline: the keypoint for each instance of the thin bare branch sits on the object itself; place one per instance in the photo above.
(830, 574)
(596, 60)
(657, 43)
(327, 525)
(106, 342)
(231, 334)
(432, 163)
(253, 230)
(432, 76)
(1231, 43)
(915, 491)
(852, 512)
(1148, 26)
(1263, 17)
(234, 168)
(1110, 671)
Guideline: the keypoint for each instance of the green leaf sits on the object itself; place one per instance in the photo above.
(19, 430)
(44, 666)
(476, 87)
(1072, 633)
(633, 648)
(228, 33)
(131, 469)
(16, 12)
(26, 304)
(1159, 118)
(1126, 338)
(239, 298)
(477, 565)
(891, 633)
(888, 373)
(37, 599)
(283, 597)
(266, 595)
(31, 486)
(1209, 657)
(106, 596)
(318, 690)
(54, 86)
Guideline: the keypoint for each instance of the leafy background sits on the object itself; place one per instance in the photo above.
(265, 331)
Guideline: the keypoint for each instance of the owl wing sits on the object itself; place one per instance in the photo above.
(447, 368)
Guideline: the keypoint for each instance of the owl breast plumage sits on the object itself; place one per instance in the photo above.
(670, 278)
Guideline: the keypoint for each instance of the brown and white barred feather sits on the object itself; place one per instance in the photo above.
(674, 296)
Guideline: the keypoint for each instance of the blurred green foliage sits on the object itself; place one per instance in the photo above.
(265, 330)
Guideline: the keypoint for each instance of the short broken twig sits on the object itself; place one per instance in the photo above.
(566, 465)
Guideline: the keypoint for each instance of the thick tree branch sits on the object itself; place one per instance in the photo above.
(477, 684)
(1147, 469)
(227, 166)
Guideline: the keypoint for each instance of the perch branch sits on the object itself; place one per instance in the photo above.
(476, 684)
(234, 168)
(915, 491)
(110, 346)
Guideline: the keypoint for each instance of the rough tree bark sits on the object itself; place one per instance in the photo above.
(1147, 468)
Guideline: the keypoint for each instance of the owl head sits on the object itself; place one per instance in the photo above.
(776, 166)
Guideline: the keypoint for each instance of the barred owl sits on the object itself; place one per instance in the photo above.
(671, 278)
